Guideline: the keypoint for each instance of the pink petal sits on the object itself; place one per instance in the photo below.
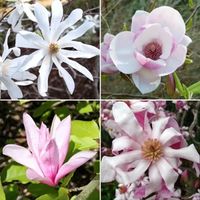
(61, 135)
(44, 137)
(138, 20)
(167, 172)
(124, 143)
(32, 175)
(32, 133)
(164, 15)
(155, 178)
(186, 40)
(146, 80)
(124, 116)
(74, 162)
(123, 57)
(22, 156)
(188, 153)
(132, 176)
(54, 125)
(49, 160)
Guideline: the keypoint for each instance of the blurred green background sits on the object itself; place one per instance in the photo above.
(117, 13)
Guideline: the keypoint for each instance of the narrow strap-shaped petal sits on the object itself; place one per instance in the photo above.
(76, 66)
(44, 71)
(74, 17)
(124, 116)
(28, 11)
(167, 172)
(6, 50)
(188, 153)
(74, 162)
(66, 76)
(22, 156)
(135, 174)
(155, 178)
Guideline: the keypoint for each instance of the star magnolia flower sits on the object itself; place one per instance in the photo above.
(154, 147)
(107, 65)
(46, 151)
(11, 69)
(51, 47)
(21, 7)
(155, 47)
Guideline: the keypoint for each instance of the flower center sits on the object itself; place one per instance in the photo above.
(53, 48)
(152, 50)
(122, 189)
(152, 150)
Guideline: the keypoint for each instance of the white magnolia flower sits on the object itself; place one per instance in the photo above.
(51, 47)
(21, 7)
(94, 19)
(11, 69)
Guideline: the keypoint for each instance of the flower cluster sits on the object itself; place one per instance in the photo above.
(156, 46)
(147, 144)
(47, 151)
(52, 45)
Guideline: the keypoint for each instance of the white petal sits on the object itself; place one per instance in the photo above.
(188, 153)
(146, 80)
(76, 66)
(24, 76)
(28, 11)
(26, 39)
(66, 76)
(44, 71)
(76, 54)
(167, 172)
(138, 20)
(186, 40)
(155, 177)
(81, 47)
(74, 16)
(76, 33)
(57, 14)
(6, 49)
(124, 116)
(13, 90)
(42, 16)
(164, 15)
(122, 53)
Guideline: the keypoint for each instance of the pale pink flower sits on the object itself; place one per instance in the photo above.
(156, 148)
(181, 105)
(107, 65)
(47, 151)
(156, 46)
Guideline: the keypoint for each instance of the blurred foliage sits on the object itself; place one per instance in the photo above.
(117, 14)
(84, 136)
(188, 120)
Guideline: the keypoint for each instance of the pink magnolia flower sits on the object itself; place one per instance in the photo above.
(156, 46)
(154, 147)
(47, 151)
(107, 65)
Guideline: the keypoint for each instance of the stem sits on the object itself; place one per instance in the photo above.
(193, 13)
(7, 14)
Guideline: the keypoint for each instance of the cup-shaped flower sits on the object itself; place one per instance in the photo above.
(12, 69)
(55, 44)
(156, 46)
(154, 147)
(47, 151)
(107, 65)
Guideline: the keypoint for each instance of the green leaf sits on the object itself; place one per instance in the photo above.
(90, 190)
(43, 108)
(40, 189)
(11, 191)
(96, 166)
(84, 107)
(191, 3)
(62, 112)
(195, 88)
(85, 143)
(179, 85)
(66, 180)
(62, 194)
(14, 172)
(85, 129)
(189, 24)
(2, 194)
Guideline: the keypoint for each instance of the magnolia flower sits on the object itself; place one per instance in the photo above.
(11, 69)
(21, 7)
(95, 20)
(51, 47)
(156, 46)
(47, 151)
(107, 65)
(154, 147)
